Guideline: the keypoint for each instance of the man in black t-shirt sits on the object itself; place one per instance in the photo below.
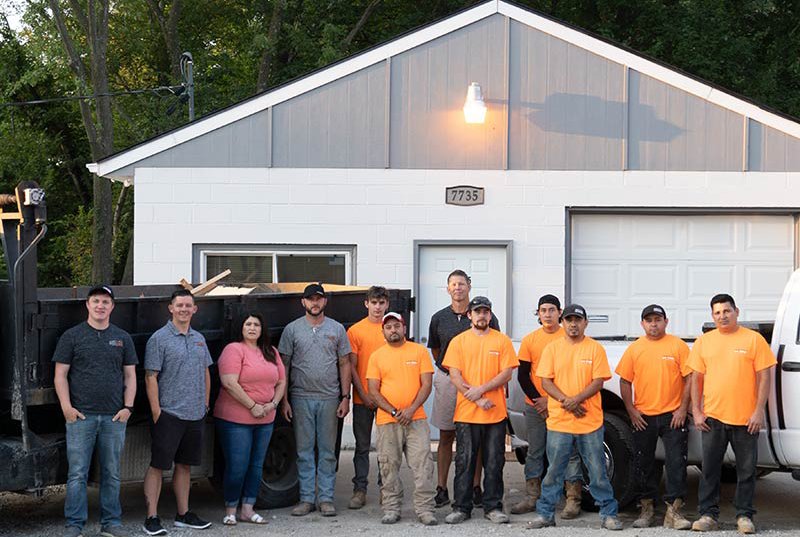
(446, 324)
(95, 380)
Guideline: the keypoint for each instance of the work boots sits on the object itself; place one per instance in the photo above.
(647, 514)
(674, 519)
(533, 488)
(572, 507)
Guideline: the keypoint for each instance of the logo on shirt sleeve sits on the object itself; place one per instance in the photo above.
(200, 344)
(116, 343)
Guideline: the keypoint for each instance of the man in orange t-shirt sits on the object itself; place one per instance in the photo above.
(480, 362)
(729, 392)
(573, 370)
(653, 369)
(400, 376)
(530, 351)
(366, 336)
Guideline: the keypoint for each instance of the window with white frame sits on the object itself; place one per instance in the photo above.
(276, 264)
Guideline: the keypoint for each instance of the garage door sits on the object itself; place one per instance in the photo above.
(620, 263)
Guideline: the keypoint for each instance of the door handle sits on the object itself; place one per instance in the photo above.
(791, 366)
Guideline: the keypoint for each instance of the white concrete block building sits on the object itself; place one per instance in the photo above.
(601, 176)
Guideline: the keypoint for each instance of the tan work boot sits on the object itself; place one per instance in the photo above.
(358, 500)
(533, 488)
(705, 523)
(674, 519)
(572, 508)
(745, 525)
(647, 514)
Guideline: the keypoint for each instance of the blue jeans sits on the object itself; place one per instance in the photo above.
(537, 439)
(559, 449)
(315, 425)
(245, 447)
(97, 430)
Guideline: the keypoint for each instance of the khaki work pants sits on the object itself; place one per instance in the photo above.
(414, 441)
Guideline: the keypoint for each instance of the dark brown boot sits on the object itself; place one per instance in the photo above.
(572, 507)
(533, 488)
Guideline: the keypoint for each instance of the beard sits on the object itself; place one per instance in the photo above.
(315, 312)
(395, 337)
(481, 325)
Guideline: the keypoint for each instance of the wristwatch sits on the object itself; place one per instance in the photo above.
(129, 409)
(394, 412)
(343, 397)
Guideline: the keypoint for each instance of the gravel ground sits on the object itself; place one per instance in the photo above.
(777, 497)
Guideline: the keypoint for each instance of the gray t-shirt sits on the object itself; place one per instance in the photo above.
(96, 359)
(311, 356)
(181, 360)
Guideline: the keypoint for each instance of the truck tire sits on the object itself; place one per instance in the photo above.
(618, 447)
(279, 484)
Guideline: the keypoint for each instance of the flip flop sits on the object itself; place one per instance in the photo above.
(229, 520)
(255, 518)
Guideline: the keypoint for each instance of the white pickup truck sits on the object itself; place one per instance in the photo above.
(779, 443)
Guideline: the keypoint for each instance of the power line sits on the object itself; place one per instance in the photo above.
(174, 90)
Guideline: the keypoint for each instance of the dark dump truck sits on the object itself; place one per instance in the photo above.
(32, 437)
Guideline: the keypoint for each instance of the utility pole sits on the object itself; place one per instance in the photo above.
(187, 70)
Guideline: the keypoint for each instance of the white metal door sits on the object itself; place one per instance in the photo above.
(621, 263)
(486, 265)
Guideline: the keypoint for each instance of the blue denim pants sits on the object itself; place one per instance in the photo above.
(537, 440)
(98, 432)
(559, 450)
(244, 446)
(315, 425)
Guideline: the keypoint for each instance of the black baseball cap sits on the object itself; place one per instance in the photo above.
(313, 289)
(549, 299)
(480, 302)
(574, 310)
(653, 309)
(393, 315)
(100, 290)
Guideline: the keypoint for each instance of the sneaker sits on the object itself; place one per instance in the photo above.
(442, 498)
(303, 508)
(456, 517)
(428, 519)
(745, 525)
(114, 531)
(477, 497)
(390, 518)
(327, 509)
(611, 523)
(73, 531)
(152, 526)
(358, 500)
(705, 523)
(190, 520)
(539, 522)
(496, 517)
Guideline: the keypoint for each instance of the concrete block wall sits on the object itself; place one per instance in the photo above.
(383, 211)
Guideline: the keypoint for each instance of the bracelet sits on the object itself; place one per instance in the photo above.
(254, 405)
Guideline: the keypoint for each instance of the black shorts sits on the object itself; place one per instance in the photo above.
(176, 440)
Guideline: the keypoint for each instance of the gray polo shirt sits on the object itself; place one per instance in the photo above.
(181, 360)
(311, 356)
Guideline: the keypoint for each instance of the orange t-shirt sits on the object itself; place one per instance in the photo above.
(530, 350)
(399, 370)
(573, 367)
(656, 370)
(729, 363)
(480, 359)
(365, 338)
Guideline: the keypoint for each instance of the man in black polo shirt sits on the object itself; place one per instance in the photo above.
(95, 380)
(446, 324)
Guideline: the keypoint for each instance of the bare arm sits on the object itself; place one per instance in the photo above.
(151, 387)
(679, 416)
(129, 395)
(375, 390)
(286, 408)
(758, 420)
(62, 391)
(406, 415)
(230, 383)
(697, 402)
(435, 353)
(462, 387)
(626, 391)
(358, 387)
(346, 380)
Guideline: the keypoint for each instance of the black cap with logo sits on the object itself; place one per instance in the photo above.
(313, 289)
(480, 302)
(653, 309)
(574, 310)
(100, 290)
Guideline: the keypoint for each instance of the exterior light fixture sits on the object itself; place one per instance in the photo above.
(474, 107)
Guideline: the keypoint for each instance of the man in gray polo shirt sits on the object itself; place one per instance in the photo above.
(178, 388)
(316, 353)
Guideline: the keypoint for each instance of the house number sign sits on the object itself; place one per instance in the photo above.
(464, 195)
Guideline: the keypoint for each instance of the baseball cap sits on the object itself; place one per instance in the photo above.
(393, 315)
(313, 289)
(100, 290)
(479, 302)
(549, 299)
(574, 310)
(653, 308)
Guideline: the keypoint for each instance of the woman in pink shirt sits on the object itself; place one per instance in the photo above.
(253, 381)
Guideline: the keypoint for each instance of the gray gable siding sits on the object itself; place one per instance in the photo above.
(771, 150)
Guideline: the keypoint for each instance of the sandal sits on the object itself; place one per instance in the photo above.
(255, 518)
(229, 520)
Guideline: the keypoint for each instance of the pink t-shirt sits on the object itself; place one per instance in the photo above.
(257, 377)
